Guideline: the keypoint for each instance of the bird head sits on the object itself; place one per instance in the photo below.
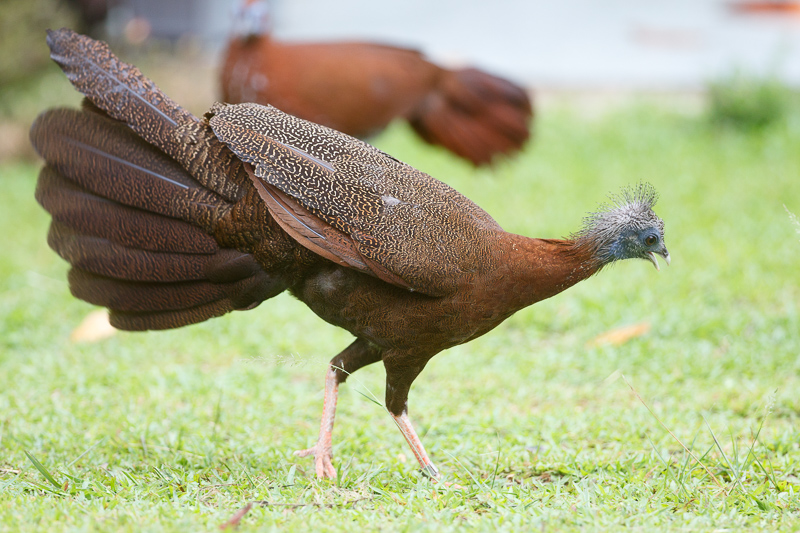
(252, 18)
(625, 228)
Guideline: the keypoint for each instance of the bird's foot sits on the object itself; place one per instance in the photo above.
(322, 460)
(430, 472)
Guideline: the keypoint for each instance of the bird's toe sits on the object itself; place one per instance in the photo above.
(305, 453)
(324, 467)
(323, 464)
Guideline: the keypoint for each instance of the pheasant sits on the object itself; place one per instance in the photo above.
(168, 220)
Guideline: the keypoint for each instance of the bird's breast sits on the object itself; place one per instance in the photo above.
(394, 317)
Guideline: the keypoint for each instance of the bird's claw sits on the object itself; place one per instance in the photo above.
(322, 460)
(431, 472)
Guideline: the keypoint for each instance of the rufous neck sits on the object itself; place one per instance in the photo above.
(536, 269)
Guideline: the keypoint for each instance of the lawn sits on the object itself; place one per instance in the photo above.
(691, 424)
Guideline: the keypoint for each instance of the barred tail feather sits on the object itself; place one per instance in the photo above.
(111, 161)
(89, 214)
(140, 306)
(137, 228)
(119, 89)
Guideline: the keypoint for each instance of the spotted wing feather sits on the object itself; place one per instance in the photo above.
(425, 235)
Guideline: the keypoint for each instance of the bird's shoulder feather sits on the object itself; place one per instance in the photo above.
(404, 226)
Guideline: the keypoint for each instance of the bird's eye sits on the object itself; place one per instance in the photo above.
(650, 240)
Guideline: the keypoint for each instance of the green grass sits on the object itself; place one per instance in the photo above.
(176, 431)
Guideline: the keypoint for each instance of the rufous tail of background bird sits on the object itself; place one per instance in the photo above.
(474, 115)
(359, 87)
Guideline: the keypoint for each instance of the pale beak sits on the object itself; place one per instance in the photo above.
(652, 257)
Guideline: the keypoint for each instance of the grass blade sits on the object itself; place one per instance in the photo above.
(42, 470)
(674, 437)
(90, 448)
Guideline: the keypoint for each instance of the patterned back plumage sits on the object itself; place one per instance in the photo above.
(422, 230)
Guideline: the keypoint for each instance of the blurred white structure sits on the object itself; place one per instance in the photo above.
(567, 44)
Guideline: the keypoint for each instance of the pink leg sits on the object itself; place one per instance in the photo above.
(417, 448)
(323, 450)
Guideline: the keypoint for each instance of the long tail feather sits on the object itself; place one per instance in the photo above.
(138, 306)
(142, 195)
(84, 212)
(89, 148)
(168, 319)
(137, 297)
(144, 297)
(118, 88)
(125, 94)
(107, 258)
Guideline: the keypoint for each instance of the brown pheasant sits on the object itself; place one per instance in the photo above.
(168, 220)
(359, 87)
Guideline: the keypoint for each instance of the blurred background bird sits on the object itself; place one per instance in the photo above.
(359, 87)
